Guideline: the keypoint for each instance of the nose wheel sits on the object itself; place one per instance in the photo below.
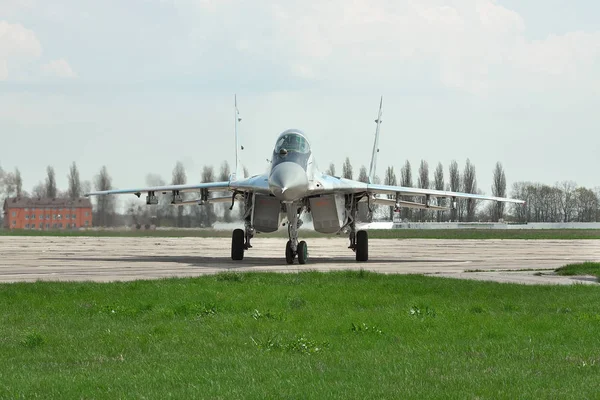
(302, 252)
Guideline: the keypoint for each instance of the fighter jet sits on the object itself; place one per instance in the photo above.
(293, 187)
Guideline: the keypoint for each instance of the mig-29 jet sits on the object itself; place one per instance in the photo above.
(294, 186)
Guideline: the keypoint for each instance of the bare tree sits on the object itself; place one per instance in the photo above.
(224, 176)
(390, 179)
(469, 181)
(438, 184)
(105, 205)
(18, 183)
(347, 169)
(587, 204)
(423, 183)
(51, 190)
(7, 184)
(86, 187)
(454, 185)
(567, 202)
(331, 169)
(362, 175)
(39, 190)
(406, 181)
(498, 190)
(74, 182)
(205, 213)
(161, 213)
(179, 178)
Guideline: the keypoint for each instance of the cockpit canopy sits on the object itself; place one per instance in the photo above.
(292, 142)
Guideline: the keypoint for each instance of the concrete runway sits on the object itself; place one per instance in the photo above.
(26, 259)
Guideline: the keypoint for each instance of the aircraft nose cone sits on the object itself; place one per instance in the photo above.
(288, 181)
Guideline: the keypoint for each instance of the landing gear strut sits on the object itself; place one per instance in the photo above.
(294, 248)
(240, 239)
(359, 241)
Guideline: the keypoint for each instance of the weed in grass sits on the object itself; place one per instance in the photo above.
(296, 303)
(416, 312)
(364, 328)
(510, 308)
(477, 310)
(360, 274)
(588, 317)
(303, 345)
(300, 345)
(229, 277)
(194, 310)
(268, 315)
(33, 339)
(564, 310)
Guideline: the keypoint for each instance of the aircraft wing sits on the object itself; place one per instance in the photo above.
(210, 186)
(416, 192)
(257, 183)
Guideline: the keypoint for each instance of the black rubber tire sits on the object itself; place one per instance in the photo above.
(302, 252)
(362, 246)
(237, 245)
(289, 254)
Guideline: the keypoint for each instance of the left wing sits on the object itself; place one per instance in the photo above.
(331, 184)
(431, 193)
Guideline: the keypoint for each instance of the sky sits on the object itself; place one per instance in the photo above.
(138, 85)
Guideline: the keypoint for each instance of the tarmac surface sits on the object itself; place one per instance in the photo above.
(28, 259)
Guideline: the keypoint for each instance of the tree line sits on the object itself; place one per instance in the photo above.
(563, 202)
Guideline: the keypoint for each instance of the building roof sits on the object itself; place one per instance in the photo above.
(27, 202)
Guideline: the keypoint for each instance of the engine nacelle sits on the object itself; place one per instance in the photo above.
(328, 212)
(266, 214)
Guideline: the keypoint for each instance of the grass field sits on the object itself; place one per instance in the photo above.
(560, 234)
(311, 335)
(586, 268)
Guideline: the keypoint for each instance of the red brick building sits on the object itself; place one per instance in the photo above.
(46, 213)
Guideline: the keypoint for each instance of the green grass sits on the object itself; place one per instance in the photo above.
(586, 268)
(559, 234)
(311, 335)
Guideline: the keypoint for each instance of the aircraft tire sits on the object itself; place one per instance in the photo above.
(289, 254)
(362, 246)
(237, 245)
(302, 252)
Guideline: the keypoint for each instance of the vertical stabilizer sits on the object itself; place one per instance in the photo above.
(375, 145)
(237, 172)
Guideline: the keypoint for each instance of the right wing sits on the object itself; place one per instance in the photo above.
(255, 184)
(210, 186)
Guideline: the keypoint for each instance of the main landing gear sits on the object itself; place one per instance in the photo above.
(359, 241)
(240, 238)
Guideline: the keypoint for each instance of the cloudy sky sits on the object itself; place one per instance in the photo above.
(138, 85)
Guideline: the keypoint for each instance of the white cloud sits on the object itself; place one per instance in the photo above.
(18, 46)
(20, 52)
(58, 68)
(470, 45)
